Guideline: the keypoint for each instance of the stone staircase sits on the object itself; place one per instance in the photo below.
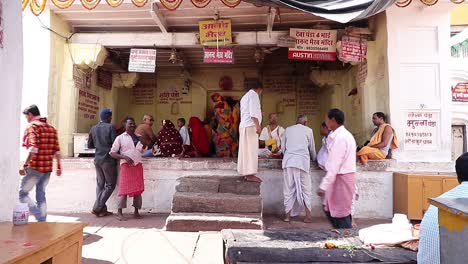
(213, 203)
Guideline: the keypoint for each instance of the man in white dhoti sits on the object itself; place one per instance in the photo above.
(298, 149)
(249, 129)
(270, 138)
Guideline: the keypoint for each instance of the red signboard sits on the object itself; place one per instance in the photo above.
(220, 55)
(353, 49)
(460, 92)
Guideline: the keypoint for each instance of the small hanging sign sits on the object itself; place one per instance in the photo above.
(221, 55)
(142, 60)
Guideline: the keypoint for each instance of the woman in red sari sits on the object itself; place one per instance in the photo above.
(199, 138)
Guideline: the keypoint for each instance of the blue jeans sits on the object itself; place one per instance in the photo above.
(40, 180)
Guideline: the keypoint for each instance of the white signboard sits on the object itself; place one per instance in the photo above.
(313, 44)
(421, 130)
(142, 60)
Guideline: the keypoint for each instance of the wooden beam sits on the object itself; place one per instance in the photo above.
(271, 19)
(158, 17)
(150, 39)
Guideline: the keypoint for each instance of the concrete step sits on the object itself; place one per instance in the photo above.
(216, 203)
(215, 184)
(198, 185)
(193, 222)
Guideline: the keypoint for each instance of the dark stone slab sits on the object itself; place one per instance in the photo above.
(216, 203)
(198, 185)
(194, 222)
(238, 185)
(252, 246)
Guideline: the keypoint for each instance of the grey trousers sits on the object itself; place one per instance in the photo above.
(106, 179)
(122, 201)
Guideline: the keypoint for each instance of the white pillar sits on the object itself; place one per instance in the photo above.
(11, 73)
(37, 47)
(418, 68)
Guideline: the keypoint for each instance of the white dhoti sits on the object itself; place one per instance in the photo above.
(247, 161)
(297, 190)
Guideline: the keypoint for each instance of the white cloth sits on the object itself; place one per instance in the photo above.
(250, 107)
(341, 156)
(322, 155)
(276, 133)
(124, 145)
(429, 244)
(297, 190)
(298, 147)
(247, 160)
(185, 135)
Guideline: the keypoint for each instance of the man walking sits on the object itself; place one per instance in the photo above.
(338, 184)
(249, 129)
(299, 149)
(101, 137)
(41, 140)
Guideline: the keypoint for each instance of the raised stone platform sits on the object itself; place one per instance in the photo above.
(213, 203)
(305, 246)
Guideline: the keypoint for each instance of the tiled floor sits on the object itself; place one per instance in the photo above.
(107, 240)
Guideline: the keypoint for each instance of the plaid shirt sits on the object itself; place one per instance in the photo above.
(42, 142)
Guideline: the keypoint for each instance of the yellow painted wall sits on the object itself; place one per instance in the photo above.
(61, 91)
(460, 15)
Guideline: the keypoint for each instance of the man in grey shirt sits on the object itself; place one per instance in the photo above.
(299, 149)
(101, 137)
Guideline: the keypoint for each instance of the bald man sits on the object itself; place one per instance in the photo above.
(145, 130)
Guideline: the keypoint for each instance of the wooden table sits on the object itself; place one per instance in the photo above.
(50, 243)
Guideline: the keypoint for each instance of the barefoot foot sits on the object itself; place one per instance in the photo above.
(252, 178)
(308, 220)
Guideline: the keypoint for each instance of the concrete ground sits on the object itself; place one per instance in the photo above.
(107, 240)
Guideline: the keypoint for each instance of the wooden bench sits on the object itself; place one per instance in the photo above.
(49, 243)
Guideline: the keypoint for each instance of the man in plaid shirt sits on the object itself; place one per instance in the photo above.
(41, 140)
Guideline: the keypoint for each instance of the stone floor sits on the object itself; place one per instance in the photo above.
(107, 240)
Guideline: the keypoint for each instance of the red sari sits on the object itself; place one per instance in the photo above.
(200, 140)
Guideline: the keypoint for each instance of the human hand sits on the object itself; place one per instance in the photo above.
(22, 172)
(129, 160)
(58, 172)
(320, 192)
(259, 130)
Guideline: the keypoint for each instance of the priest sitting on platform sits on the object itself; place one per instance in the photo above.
(270, 138)
(383, 139)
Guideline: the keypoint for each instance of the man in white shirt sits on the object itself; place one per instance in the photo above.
(338, 184)
(298, 148)
(322, 155)
(183, 131)
(270, 138)
(429, 244)
(249, 129)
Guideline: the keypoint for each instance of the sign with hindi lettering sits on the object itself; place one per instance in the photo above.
(221, 55)
(460, 92)
(88, 104)
(313, 44)
(142, 60)
(353, 49)
(421, 130)
(215, 32)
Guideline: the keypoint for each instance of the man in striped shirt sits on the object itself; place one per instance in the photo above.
(429, 243)
(41, 140)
